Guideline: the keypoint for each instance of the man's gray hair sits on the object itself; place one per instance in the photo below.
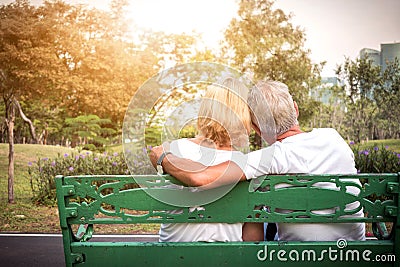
(272, 108)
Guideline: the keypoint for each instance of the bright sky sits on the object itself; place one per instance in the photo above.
(338, 28)
(334, 28)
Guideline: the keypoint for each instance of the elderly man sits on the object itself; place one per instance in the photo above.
(321, 151)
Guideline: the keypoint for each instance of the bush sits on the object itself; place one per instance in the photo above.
(43, 171)
(374, 159)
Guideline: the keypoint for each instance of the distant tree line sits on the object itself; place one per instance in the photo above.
(68, 72)
(61, 63)
(365, 103)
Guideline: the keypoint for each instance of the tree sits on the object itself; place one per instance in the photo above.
(101, 60)
(75, 61)
(262, 41)
(90, 129)
(360, 79)
(22, 49)
(330, 107)
(387, 97)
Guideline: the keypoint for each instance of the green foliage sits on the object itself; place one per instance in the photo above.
(371, 97)
(360, 78)
(62, 61)
(90, 130)
(376, 159)
(190, 131)
(331, 114)
(263, 41)
(153, 136)
(43, 171)
(388, 101)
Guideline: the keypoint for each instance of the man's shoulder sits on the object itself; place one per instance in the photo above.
(326, 133)
(324, 130)
(331, 140)
(319, 134)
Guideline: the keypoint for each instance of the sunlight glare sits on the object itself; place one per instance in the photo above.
(207, 17)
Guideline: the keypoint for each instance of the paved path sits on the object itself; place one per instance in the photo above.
(41, 250)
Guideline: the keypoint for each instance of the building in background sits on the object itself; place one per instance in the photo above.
(372, 54)
(383, 57)
(388, 53)
(323, 92)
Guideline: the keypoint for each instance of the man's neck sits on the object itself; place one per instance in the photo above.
(292, 131)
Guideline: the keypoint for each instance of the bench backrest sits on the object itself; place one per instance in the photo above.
(88, 200)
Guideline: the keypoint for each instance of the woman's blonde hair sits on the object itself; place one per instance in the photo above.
(224, 116)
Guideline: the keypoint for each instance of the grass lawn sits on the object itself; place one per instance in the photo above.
(23, 155)
(393, 144)
(24, 216)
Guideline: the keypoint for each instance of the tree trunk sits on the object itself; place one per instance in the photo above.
(45, 133)
(10, 124)
(26, 120)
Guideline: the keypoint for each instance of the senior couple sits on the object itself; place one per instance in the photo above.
(224, 123)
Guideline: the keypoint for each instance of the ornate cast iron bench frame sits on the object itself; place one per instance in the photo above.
(84, 201)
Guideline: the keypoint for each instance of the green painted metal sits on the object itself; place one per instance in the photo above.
(88, 200)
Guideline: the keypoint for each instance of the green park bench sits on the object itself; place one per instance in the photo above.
(84, 201)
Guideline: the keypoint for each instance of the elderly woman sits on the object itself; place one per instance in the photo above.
(223, 124)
